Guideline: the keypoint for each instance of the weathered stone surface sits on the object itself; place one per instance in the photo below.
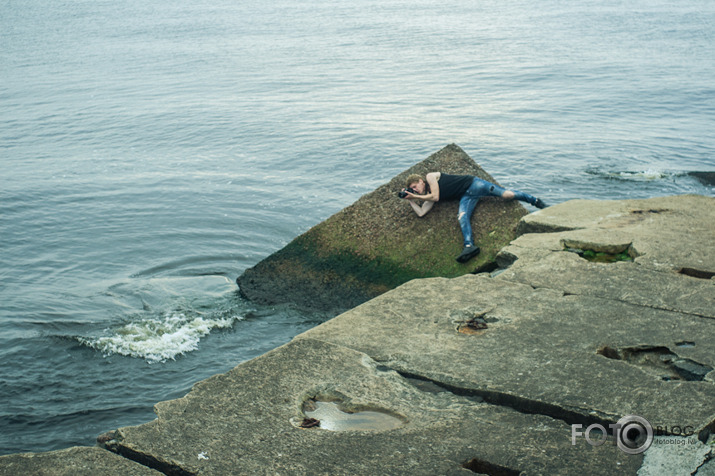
(559, 351)
(676, 456)
(247, 422)
(77, 461)
(542, 350)
(707, 468)
(666, 233)
(378, 243)
(486, 372)
(671, 239)
(619, 281)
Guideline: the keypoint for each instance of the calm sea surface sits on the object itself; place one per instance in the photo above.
(152, 151)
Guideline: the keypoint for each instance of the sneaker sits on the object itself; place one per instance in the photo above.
(539, 203)
(469, 252)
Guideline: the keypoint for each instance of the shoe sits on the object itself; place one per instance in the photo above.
(539, 203)
(469, 252)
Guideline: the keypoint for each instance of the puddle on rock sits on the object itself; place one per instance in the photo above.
(332, 418)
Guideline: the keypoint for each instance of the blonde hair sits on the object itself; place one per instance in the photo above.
(414, 178)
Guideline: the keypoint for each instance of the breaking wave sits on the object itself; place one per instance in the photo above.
(162, 318)
(159, 338)
(639, 176)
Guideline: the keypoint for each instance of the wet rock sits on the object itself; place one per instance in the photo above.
(568, 342)
(706, 178)
(106, 437)
(690, 370)
(378, 243)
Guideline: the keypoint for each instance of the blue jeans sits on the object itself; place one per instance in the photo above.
(481, 188)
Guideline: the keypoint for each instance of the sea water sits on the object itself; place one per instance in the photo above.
(152, 151)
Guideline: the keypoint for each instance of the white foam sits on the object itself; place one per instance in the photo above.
(157, 339)
(648, 174)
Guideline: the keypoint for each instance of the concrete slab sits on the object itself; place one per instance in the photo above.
(578, 358)
(676, 456)
(77, 461)
(483, 374)
(378, 243)
(622, 281)
(551, 342)
(248, 422)
(666, 233)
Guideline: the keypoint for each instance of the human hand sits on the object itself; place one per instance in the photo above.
(407, 193)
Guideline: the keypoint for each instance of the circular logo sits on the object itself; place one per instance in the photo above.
(634, 434)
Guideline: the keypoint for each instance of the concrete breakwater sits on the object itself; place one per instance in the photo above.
(378, 243)
(482, 373)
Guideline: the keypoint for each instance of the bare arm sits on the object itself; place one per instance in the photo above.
(421, 210)
(433, 181)
(429, 198)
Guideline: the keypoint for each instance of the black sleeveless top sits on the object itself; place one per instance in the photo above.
(452, 187)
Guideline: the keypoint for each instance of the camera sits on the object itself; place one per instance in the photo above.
(403, 193)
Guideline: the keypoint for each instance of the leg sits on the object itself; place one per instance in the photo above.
(497, 191)
(468, 202)
(523, 197)
(466, 208)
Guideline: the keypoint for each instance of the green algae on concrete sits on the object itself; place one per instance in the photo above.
(566, 341)
(378, 243)
(669, 238)
(600, 256)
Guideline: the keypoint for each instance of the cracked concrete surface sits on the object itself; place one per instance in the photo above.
(561, 341)
(677, 456)
(246, 422)
(499, 400)
(541, 348)
(76, 461)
